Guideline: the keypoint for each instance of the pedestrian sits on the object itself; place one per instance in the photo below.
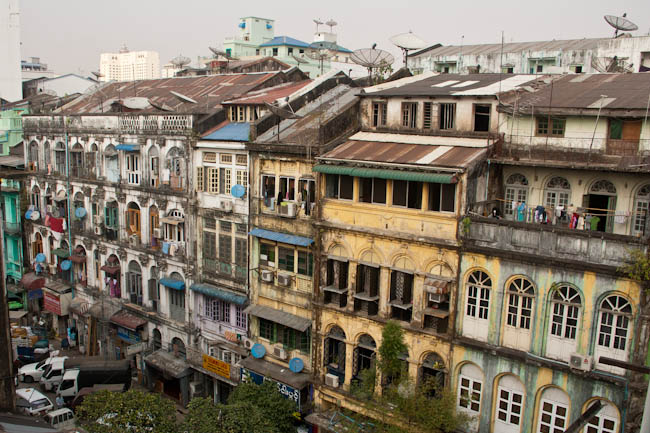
(59, 401)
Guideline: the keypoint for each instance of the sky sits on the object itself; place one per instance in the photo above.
(69, 35)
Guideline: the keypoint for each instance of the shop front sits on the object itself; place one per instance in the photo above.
(219, 373)
(127, 334)
(57, 298)
(80, 312)
(169, 374)
(33, 284)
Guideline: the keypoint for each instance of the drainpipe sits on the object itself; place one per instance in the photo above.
(67, 176)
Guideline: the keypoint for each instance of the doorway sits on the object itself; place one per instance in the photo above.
(601, 204)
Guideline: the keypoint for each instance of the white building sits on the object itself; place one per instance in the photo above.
(10, 89)
(33, 69)
(63, 85)
(129, 65)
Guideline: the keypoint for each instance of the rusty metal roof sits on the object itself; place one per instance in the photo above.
(585, 91)
(269, 94)
(127, 320)
(511, 47)
(403, 153)
(208, 91)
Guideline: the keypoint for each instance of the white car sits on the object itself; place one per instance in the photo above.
(32, 372)
(35, 402)
(60, 419)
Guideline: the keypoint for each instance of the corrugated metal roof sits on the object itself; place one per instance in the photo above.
(282, 237)
(279, 316)
(165, 361)
(402, 153)
(269, 94)
(455, 85)
(11, 161)
(219, 293)
(208, 91)
(285, 40)
(230, 132)
(127, 320)
(623, 91)
(384, 174)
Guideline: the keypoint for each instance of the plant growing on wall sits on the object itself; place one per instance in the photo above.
(638, 267)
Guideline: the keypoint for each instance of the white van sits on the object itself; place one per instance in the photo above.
(53, 375)
(36, 402)
(33, 372)
(60, 419)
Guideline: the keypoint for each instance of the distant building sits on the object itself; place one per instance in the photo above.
(129, 65)
(33, 68)
(623, 54)
(253, 31)
(67, 84)
(10, 52)
(169, 70)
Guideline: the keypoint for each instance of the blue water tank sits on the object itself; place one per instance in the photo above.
(269, 26)
(242, 25)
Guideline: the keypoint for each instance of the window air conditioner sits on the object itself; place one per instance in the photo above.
(284, 280)
(437, 297)
(332, 380)
(580, 362)
(133, 240)
(267, 276)
(247, 342)
(288, 210)
(279, 352)
(225, 205)
(157, 233)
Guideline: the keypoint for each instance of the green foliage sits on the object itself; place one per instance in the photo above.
(129, 412)
(465, 225)
(251, 408)
(638, 267)
(392, 346)
(364, 388)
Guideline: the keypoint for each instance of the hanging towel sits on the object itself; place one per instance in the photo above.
(56, 224)
(165, 248)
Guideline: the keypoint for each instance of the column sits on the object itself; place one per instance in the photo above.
(349, 363)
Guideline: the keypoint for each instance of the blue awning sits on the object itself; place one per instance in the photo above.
(282, 237)
(216, 292)
(128, 147)
(173, 283)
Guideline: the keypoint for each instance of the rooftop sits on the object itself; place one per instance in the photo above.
(451, 85)
(269, 94)
(227, 131)
(285, 40)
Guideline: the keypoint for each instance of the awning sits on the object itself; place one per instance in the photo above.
(61, 252)
(385, 174)
(32, 281)
(172, 220)
(17, 315)
(110, 269)
(276, 372)
(173, 283)
(291, 320)
(168, 363)
(14, 161)
(127, 320)
(282, 237)
(80, 306)
(77, 258)
(216, 292)
(128, 147)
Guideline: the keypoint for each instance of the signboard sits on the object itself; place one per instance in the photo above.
(52, 303)
(134, 348)
(231, 336)
(216, 366)
(35, 294)
(128, 335)
(286, 391)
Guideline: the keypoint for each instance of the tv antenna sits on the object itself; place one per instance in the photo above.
(620, 23)
(299, 59)
(318, 22)
(221, 53)
(97, 75)
(372, 58)
(406, 42)
(331, 23)
(180, 61)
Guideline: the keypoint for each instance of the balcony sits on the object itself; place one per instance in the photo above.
(547, 243)
(214, 266)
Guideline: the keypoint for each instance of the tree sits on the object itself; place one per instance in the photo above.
(391, 349)
(129, 412)
(271, 404)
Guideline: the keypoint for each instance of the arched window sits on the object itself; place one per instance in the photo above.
(509, 405)
(92, 164)
(401, 289)
(334, 353)
(366, 295)
(133, 219)
(470, 391)
(433, 372)
(601, 204)
(615, 313)
(553, 411)
(134, 282)
(174, 226)
(178, 347)
(79, 259)
(641, 202)
(112, 164)
(520, 296)
(157, 339)
(563, 328)
(113, 276)
(77, 160)
(516, 191)
(605, 421)
(154, 170)
(364, 354)
(47, 156)
(557, 192)
(35, 198)
(59, 158)
(477, 305)
(78, 202)
(37, 245)
(111, 220)
(176, 291)
(176, 164)
(33, 156)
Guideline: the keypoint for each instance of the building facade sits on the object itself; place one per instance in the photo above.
(128, 65)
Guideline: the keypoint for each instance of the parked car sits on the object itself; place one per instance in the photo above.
(34, 401)
(60, 419)
(33, 372)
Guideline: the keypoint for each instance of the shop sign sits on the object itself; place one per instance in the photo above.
(52, 303)
(231, 336)
(128, 335)
(35, 294)
(134, 348)
(284, 389)
(216, 366)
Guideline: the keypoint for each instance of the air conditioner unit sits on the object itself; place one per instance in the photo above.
(288, 209)
(157, 233)
(580, 362)
(279, 352)
(196, 388)
(133, 240)
(284, 280)
(332, 380)
(98, 230)
(267, 276)
(225, 205)
(98, 219)
(437, 297)
(247, 342)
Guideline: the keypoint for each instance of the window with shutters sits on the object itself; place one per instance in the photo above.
(267, 254)
(290, 338)
(447, 116)
(364, 355)
(241, 257)
(305, 263)
(379, 113)
(241, 318)
(366, 296)
(212, 180)
(427, 115)
(409, 114)
(209, 251)
(286, 259)
(336, 288)
(401, 295)
(225, 253)
(200, 184)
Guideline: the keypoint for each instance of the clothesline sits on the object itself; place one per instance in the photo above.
(577, 208)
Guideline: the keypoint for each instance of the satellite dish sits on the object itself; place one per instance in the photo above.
(318, 23)
(283, 113)
(97, 74)
(180, 61)
(162, 107)
(296, 365)
(406, 42)
(620, 23)
(238, 191)
(28, 214)
(40, 258)
(183, 97)
(80, 212)
(136, 103)
(372, 58)
(331, 23)
(35, 215)
(258, 351)
(66, 265)
(299, 59)
(220, 53)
